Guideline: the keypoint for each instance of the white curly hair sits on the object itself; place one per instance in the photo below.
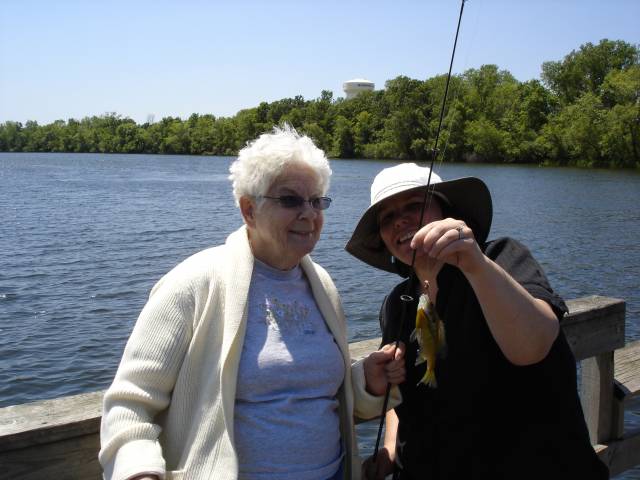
(262, 160)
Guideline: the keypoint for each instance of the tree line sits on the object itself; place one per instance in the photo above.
(584, 112)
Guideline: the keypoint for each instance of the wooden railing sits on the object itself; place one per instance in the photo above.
(59, 439)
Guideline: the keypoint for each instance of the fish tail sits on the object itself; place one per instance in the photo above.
(429, 379)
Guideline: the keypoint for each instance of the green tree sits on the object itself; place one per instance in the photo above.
(177, 140)
(485, 141)
(490, 92)
(343, 145)
(400, 131)
(585, 70)
(621, 87)
(32, 137)
(318, 135)
(621, 139)
(319, 111)
(620, 143)
(247, 126)
(202, 135)
(224, 133)
(11, 137)
(574, 135)
(128, 138)
(363, 132)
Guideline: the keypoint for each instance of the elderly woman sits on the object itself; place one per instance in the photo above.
(496, 397)
(238, 366)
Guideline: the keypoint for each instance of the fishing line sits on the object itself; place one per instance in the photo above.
(471, 35)
(426, 201)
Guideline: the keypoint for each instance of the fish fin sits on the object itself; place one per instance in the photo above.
(414, 335)
(423, 301)
(429, 379)
(419, 360)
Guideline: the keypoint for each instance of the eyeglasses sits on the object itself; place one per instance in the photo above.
(296, 201)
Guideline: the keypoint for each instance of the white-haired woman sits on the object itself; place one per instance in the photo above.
(238, 366)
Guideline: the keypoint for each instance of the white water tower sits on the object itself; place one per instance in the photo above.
(358, 85)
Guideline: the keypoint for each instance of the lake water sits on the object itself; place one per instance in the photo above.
(84, 237)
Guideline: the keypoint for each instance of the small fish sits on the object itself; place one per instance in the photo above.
(429, 333)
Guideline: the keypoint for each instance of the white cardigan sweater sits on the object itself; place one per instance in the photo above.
(170, 408)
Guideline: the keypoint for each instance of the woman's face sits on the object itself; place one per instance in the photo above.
(399, 220)
(281, 236)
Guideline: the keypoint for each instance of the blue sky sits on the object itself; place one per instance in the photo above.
(71, 59)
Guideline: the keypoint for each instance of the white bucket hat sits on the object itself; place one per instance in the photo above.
(465, 198)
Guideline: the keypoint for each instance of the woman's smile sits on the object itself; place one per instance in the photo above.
(282, 235)
(399, 220)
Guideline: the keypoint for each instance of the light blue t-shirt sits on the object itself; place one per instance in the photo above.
(286, 423)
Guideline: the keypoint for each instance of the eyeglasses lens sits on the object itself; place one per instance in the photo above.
(294, 201)
(321, 203)
(291, 201)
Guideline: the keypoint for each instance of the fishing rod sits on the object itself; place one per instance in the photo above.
(406, 297)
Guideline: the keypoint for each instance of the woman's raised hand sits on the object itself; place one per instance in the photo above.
(450, 241)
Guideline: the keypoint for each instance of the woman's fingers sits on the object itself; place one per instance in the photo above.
(395, 367)
(396, 377)
(384, 366)
(436, 237)
(449, 241)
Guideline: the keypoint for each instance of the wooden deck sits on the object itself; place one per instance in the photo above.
(59, 439)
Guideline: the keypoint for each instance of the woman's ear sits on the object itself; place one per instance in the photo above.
(248, 210)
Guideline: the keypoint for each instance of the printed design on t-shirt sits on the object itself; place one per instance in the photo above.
(291, 318)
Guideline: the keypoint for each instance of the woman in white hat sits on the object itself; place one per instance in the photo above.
(502, 400)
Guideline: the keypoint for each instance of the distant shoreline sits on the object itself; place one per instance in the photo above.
(544, 164)
(583, 113)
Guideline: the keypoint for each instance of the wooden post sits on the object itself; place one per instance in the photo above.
(596, 395)
(595, 328)
(594, 325)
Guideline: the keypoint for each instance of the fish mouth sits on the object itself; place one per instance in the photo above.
(406, 237)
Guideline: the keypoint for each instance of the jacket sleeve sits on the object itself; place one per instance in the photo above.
(365, 405)
(144, 381)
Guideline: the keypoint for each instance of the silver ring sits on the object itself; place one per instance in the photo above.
(460, 234)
